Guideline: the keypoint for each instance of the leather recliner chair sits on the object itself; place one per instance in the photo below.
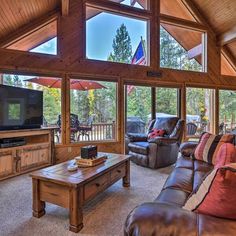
(160, 151)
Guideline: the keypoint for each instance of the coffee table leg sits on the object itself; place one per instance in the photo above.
(126, 179)
(76, 214)
(38, 205)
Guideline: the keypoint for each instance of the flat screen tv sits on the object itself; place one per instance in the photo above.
(20, 108)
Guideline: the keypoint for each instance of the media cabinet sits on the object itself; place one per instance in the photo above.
(38, 152)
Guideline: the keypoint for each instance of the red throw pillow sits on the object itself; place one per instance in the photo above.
(216, 195)
(225, 155)
(156, 133)
(208, 146)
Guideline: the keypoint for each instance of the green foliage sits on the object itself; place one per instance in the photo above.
(122, 49)
(139, 103)
(173, 55)
(227, 100)
(99, 104)
(166, 100)
(51, 104)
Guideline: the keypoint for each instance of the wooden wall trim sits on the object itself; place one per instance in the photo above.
(193, 9)
(29, 29)
(119, 9)
(191, 25)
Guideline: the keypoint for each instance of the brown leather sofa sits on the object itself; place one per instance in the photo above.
(165, 216)
(160, 151)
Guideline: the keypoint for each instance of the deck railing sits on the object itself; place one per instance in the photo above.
(99, 132)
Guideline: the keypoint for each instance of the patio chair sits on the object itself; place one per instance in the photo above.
(191, 128)
(85, 128)
(74, 127)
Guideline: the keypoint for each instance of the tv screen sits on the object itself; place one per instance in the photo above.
(20, 108)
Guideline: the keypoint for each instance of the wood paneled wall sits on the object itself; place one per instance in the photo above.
(71, 61)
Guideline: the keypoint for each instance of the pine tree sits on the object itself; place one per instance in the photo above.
(122, 49)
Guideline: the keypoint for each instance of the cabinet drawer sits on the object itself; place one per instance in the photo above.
(33, 158)
(118, 172)
(92, 188)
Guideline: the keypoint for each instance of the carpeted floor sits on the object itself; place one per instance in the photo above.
(103, 216)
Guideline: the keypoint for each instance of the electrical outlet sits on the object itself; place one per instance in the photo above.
(69, 149)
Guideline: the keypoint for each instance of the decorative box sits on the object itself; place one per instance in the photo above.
(88, 152)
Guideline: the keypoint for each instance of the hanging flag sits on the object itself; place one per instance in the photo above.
(139, 58)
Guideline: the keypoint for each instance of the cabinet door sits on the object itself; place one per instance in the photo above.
(31, 158)
(6, 164)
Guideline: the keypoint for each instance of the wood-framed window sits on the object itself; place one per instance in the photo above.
(122, 36)
(93, 110)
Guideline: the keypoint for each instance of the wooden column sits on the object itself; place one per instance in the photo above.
(216, 111)
(183, 108)
(154, 35)
(1, 78)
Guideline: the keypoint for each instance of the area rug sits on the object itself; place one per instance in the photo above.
(103, 216)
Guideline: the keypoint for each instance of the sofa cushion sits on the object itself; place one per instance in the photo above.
(173, 196)
(139, 147)
(180, 178)
(225, 155)
(217, 194)
(156, 133)
(185, 162)
(202, 166)
(209, 145)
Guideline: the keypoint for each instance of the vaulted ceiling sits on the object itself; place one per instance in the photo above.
(16, 16)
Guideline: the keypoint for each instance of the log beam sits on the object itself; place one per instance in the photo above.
(182, 23)
(227, 37)
(194, 52)
(193, 9)
(229, 57)
(28, 29)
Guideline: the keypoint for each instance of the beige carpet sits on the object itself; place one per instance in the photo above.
(105, 215)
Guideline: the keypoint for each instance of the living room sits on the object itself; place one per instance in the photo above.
(118, 117)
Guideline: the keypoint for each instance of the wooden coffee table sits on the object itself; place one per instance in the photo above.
(72, 190)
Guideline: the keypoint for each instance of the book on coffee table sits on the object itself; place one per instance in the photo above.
(90, 162)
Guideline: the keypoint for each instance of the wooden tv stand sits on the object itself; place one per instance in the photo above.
(36, 153)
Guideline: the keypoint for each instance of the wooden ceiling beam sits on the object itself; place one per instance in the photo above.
(28, 29)
(227, 37)
(196, 13)
(194, 52)
(229, 57)
(65, 6)
(182, 23)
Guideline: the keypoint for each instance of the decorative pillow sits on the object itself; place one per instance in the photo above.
(225, 155)
(156, 133)
(208, 146)
(216, 195)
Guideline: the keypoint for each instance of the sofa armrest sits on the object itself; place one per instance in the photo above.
(160, 219)
(136, 137)
(187, 148)
(163, 140)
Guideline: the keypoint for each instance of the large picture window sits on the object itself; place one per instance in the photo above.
(139, 108)
(227, 111)
(182, 49)
(118, 38)
(167, 102)
(200, 111)
(42, 40)
(51, 88)
(93, 107)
